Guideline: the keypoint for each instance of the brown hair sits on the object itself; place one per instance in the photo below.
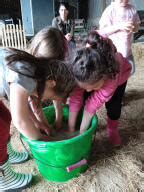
(42, 69)
(52, 43)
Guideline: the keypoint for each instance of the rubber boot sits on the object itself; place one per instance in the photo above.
(11, 181)
(112, 128)
(16, 157)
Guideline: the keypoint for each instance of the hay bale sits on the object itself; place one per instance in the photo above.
(138, 51)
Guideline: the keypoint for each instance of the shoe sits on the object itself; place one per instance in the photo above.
(11, 181)
(16, 157)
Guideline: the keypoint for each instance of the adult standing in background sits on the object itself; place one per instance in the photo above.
(63, 24)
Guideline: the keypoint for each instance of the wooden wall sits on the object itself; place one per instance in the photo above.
(9, 8)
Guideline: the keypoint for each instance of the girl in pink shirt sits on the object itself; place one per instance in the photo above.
(118, 22)
(103, 72)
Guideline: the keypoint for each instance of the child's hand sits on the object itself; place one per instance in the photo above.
(44, 138)
(82, 131)
(126, 26)
(68, 36)
(136, 27)
(130, 27)
(44, 128)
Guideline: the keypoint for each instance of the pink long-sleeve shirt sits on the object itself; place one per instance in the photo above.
(114, 15)
(96, 100)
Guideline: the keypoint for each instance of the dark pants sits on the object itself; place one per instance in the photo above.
(5, 121)
(114, 105)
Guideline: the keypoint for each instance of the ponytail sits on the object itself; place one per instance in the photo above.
(107, 49)
(41, 70)
(96, 61)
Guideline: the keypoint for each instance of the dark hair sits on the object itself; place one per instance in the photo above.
(51, 41)
(81, 41)
(96, 41)
(65, 4)
(43, 69)
(95, 62)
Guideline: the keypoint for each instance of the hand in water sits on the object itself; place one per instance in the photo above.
(44, 138)
(82, 131)
(71, 130)
(44, 128)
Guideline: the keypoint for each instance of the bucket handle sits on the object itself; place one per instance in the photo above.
(76, 165)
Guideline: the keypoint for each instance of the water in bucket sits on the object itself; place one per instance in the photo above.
(63, 134)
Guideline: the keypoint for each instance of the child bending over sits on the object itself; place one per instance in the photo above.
(24, 76)
(103, 72)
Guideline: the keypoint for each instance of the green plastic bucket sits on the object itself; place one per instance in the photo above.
(60, 161)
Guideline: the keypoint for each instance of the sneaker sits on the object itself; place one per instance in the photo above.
(11, 181)
(16, 157)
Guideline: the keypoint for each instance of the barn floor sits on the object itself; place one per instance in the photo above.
(111, 169)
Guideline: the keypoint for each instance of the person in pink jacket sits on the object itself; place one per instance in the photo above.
(118, 22)
(103, 72)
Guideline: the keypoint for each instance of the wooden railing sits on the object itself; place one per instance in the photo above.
(13, 36)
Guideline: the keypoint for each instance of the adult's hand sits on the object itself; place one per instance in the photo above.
(68, 36)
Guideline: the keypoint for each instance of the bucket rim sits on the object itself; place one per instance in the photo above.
(66, 141)
(92, 128)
